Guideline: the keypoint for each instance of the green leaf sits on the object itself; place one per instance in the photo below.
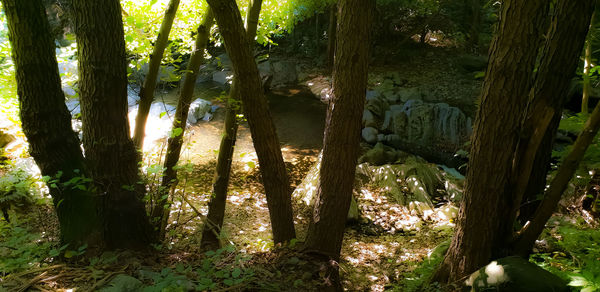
(129, 38)
(236, 272)
(176, 132)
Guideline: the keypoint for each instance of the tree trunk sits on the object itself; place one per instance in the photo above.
(557, 66)
(342, 132)
(147, 90)
(331, 36)
(475, 27)
(256, 110)
(487, 196)
(216, 206)
(112, 158)
(160, 212)
(46, 120)
(587, 66)
(532, 231)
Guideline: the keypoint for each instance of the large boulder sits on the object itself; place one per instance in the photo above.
(515, 274)
(284, 73)
(370, 134)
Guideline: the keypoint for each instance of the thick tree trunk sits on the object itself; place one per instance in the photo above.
(216, 206)
(46, 120)
(256, 110)
(487, 196)
(331, 36)
(160, 212)
(342, 132)
(112, 158)
(147, 90)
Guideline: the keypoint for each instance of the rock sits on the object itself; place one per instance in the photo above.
(368, 119)
(123, 283)
(380, 154)
(133, 97)
(6, 138)
(73, 106)
(371, 94)
(370, 134)
(514, 274)
(447, 212)
(284, 73)
(222, 77)
(325, 95)
(406, 94)
(391, 96)
(223, 61)
(387, 121)
(199, 109)
(378, 106)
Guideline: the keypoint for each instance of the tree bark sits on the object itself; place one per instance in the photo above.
(112, 158)
(487, 197)
(532, 231)
(216, 206)
(587, 66)
(331, 36)
(46, 120)
(557, 66)
(342, 132)
(256, 110)
(147, 90)
(160, 212)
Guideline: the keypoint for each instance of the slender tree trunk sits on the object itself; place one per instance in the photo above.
(557, 67)
(256, 110)
(216, 206)
(487, 194)
(147, 90)
(532, 231)
(331, 36)
(160, 212)
(112, 158)
(342, 132)
(587, 66)
(46, 120)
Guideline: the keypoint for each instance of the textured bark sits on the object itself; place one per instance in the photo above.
(557, 67)
(110, 153)
(587, 84)
(487, 197)
(264, 136)
(216, 206)
(342, 132)
(558, 185)
(331, 36)
(160, 212)
(147, 90)
(46, 120)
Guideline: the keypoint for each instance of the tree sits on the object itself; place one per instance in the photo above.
(46, 120)
(111, 156)
(513, 119)
(147, 90)
(256, 110)
(342, 128)
(331, 35)
(160, 212)
(216, 206)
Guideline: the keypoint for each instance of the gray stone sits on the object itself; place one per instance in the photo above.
(223, 61)
(222, 77)
(284, 73)
(387, 121)
(368, 119)
(370, 134)
(407, 94)
(73, 106)
(123, 283)
(265, 69)
(199, 109)
(371, 94)
(378, 106)
(380, 137)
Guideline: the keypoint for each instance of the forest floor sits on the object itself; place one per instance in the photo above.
(375, 255)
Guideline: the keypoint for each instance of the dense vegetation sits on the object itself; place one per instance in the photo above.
(299, 145)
